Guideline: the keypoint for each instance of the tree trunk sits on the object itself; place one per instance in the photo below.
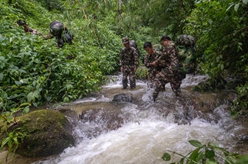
(119, 10)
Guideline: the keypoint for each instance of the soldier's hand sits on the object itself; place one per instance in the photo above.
(153, 64)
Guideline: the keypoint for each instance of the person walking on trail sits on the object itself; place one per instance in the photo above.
(170, 72)
(150, 57)
(28, 29)
(128, 63)
(58, 30)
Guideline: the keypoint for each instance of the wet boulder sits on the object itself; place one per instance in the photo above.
(46, 132)
(123, 97)
(110, 120)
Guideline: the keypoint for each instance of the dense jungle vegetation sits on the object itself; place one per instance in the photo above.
(34, 71)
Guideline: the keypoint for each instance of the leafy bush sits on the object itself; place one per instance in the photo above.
(221, 33)
(204, 154)
(36, 71)
(142, 73)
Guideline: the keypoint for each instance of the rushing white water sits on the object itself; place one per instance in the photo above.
(144, 135)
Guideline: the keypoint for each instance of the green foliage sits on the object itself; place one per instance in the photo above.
(241, 104)
(8, 120)
(204, 154)
(221, 32)
(13, 140)
(51, 4)
(36, 71)
(142, 73)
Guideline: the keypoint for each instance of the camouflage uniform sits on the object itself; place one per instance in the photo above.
(129, 62)
(56, 30)
(28, 29)
(186, 50)
(186, 58)
(169, 73)
(152, 70)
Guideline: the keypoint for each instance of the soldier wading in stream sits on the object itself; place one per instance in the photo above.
(150, 57)
(170, 72)
(129, 63)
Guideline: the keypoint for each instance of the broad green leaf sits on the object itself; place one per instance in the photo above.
(16, 140)
(195, 143)
(210, 154)
(1, 38)
(36, 93)
(25, 104)
(194, 154)
(18, 83)
(25, 110)
(199, 157)
(1, 76)
(243, 159)
(236, 7)
(6, 140)
(181, 161)
(245, 1)
(166, 157)
(30, 96)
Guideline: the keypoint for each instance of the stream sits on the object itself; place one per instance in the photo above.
(131, 129)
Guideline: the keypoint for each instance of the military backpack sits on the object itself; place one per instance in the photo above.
(185, 46)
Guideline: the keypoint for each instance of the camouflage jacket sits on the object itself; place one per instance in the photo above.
(169, 59)
(129, 57)
(148, 59)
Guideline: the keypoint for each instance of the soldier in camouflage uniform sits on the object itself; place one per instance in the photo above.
(150, 57)
(170, 68)
(128, 63)
(60, 32)
(28, 29)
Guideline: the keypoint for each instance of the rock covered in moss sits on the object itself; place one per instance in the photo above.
(47, 132)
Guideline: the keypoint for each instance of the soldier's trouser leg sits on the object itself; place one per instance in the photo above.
(124, 79)
(151, 77)
(175, 86)
(160, 82)
(132, 80)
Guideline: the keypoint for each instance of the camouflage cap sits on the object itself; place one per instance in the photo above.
(125, 40)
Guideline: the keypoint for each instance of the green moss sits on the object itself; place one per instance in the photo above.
(46, 133)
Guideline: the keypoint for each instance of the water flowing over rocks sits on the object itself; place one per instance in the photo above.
(118, 126)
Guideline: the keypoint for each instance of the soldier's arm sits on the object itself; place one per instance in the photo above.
(174, 63)
(136, 58)
(159, 59)
(49, 36)
(146, 61)
(121, 60)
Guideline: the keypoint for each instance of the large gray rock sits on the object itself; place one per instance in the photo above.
(123, 97)
(47, 132)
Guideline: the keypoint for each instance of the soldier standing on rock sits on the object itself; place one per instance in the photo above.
(129, 63)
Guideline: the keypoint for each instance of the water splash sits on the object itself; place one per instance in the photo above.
(143, 141)
(146, 131)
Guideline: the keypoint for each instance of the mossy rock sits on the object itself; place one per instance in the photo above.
(47, 132)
